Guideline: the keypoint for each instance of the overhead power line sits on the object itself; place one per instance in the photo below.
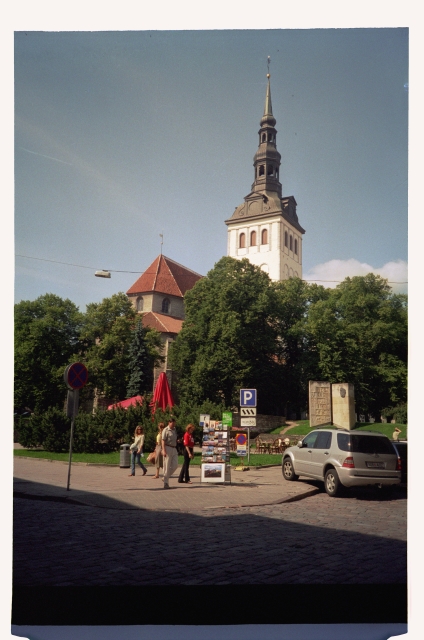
(81, 266)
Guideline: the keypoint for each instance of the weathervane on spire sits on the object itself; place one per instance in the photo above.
(268, 75)
(161, 242)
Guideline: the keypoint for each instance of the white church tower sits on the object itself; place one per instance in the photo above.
(265, 228)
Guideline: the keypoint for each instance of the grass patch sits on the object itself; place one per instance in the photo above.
(303, 428)
(385, 428)
(92, 458)
(113, 458)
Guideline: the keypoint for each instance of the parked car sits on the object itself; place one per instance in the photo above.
(401, 447)
(341, 458)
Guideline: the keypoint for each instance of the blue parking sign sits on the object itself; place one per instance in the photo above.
(248, 397)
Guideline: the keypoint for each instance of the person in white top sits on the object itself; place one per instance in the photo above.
(169, 451)
(137, 450)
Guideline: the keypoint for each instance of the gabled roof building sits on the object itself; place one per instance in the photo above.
(158, 294)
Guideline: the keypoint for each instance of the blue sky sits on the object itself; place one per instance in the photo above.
(123, 135)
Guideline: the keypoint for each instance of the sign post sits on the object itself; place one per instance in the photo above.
(75, 377)
(248, 413)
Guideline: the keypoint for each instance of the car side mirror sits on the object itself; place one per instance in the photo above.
(300, 444)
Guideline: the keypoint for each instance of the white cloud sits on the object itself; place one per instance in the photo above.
(331, 273)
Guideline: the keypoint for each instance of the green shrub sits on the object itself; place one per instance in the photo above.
(50, 430)
(105, 430)
(400, 414)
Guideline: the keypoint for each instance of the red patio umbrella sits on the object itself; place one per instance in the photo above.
(124, 404)
(162, 396)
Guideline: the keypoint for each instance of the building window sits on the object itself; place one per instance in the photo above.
(270, 137)
(264, 237)
(165, 305)
(261, 170)
(263, 137)
(242, 241)
(253, 239)
(286, 239)
(291, 243)
(270, 170)
(139, 304)
(295, 247)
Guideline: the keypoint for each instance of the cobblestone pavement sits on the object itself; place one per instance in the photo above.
(120, 531)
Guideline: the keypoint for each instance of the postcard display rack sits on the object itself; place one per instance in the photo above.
(216, 465)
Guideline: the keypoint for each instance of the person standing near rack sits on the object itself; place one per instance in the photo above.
(169, 451)
(137, 450)
(188, 454)
(158, 450)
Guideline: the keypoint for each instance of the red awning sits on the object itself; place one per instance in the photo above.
(162, 396)
(124, 404)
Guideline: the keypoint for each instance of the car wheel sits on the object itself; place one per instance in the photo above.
(332, 483)
(288, 471)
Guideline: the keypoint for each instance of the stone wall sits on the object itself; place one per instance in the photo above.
(264, 423)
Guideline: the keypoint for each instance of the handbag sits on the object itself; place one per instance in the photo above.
(151, 457)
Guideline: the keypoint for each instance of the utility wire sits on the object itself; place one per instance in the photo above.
(81, 266)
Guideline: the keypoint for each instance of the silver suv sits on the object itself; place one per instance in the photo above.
(342, 458)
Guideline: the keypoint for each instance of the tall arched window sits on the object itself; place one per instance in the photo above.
(270, 170)
(264, 236)
(291, 243)
(261, 170)
(286, 239)
(242, 241)
(264, 137)
(139, 304)
(165, 305)
(253, 239)
(295, 247)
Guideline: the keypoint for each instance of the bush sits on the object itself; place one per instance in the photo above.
(105, 430)
(50, 430)
(186, 414)
(400, 414)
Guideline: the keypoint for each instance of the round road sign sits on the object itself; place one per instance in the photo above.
(76, 375)
(241, 438)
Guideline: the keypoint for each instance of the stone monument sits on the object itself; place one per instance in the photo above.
(343, 402)
(319, 403)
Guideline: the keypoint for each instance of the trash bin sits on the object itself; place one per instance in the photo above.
(124, 456)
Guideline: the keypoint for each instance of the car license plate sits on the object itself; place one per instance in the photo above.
(375, 465)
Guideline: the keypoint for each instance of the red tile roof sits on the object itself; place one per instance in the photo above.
(165, 276)
(162, 322)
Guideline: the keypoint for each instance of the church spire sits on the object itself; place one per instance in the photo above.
(267, 160)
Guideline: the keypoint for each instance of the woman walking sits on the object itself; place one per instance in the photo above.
(158, 450)
(188, 454)
(136, 450)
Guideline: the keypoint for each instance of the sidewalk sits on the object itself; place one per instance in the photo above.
(111, 487)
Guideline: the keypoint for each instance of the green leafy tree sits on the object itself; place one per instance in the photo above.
(46, 335)
(106, 335)
(297, 350)
(140, 369)
(360, 333)
(229, 338)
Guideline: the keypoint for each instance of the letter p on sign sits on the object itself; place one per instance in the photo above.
(248, 397)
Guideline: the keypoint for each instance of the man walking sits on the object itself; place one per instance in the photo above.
(169, 451)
